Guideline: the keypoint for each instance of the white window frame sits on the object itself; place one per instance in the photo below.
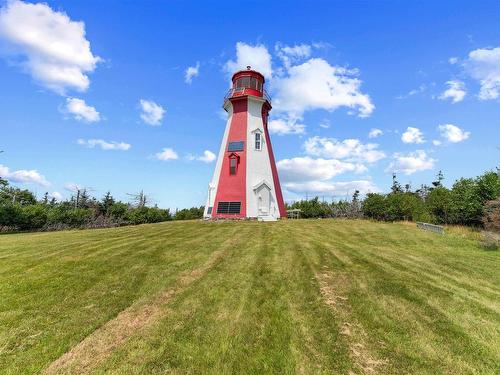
(259, 141)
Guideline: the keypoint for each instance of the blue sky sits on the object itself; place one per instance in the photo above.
(96, 94)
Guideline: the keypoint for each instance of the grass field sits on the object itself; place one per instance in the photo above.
(318, 296)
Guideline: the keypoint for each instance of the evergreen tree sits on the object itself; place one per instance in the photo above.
(396, 186)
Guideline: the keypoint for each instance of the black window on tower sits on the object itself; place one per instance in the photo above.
(229, 207)
(233, 165)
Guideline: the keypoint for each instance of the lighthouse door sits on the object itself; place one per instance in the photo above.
(263, 199)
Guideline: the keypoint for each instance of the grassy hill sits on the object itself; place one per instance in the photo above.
(319, 296)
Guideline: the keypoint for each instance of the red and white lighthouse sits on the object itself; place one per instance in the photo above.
(245, 182)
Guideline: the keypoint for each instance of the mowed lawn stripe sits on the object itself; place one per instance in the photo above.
(259, 311)
(77, 294)
(388, 289)
(304, 296)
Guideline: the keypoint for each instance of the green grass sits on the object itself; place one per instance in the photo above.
(305, 296)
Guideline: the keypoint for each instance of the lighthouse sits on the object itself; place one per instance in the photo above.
(245, 183)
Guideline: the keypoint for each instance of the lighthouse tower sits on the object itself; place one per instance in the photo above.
(245, 182)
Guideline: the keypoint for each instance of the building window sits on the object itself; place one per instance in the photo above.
(228, 207)
(233, 165)
(209, 211)
(258, 141)
(253, 83)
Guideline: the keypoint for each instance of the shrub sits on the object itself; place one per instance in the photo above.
(491, 216)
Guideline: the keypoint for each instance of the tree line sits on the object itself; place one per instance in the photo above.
(20, 210)
(470, 201)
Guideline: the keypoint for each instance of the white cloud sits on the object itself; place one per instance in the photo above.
(92, 143)
(167, 154)
(455, 91)
(81, 111)
(299, 50)
(436, 142)
(484, 65)
(453, 60)
(285, 125)
(374, 133)
(56, 195)
(301, 169)
(413, 92)
(411, 163)
(350, 149)
(152, 113)
(290, 55)
(207, 157)
(332, 188)
(258, 57)
(191, 72)
(316, 84)
(48, 45)
(23, 176)
(412, 135)
(453, 133)
(325, 124)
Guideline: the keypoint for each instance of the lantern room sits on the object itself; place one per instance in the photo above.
(247, 82)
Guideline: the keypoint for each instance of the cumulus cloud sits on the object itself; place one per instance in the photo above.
(333, 188)
(483, 64)
(412, 135)
(152, 113)
(207, 157)
(23, 176)
(92, 143)
(292, 54)
(167, 154)
(374, 133)
(192, 72)
(453, 60)
(257, 56)
(302, 169)
(81, 111)
(350, 149)
(455, 91)
(282, 126)
(316, 84)
(410, 163)
(48, 45)
(453, 133)
(300, 83)
(436, 142)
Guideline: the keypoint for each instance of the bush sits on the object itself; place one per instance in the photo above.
(375, 206)
(491, 216)
(33, 217)
(189, 213)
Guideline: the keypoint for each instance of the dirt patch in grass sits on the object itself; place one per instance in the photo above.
(96, 347)
(334, 289)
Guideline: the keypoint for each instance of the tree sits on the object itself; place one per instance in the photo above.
(396, 186)
(375, 206)
(439, 204)
(439, 180)
(107, 202)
